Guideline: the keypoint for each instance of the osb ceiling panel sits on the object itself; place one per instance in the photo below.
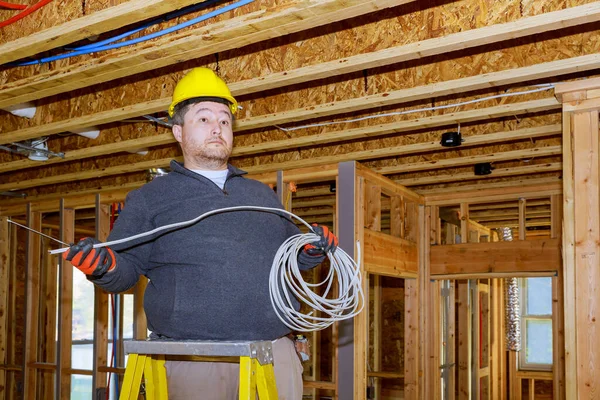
(419, 24)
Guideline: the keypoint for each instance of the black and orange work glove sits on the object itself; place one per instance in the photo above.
(88, 260)
(326, 243)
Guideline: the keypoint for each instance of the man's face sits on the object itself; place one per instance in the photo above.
(206, 136)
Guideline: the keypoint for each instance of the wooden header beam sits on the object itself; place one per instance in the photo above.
(388, 255)
(484, 260)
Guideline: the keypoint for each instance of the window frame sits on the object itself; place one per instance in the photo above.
(523, 364)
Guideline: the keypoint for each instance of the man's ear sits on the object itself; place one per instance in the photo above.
(177, 132)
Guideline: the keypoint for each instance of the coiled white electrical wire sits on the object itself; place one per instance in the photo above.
(286, 280)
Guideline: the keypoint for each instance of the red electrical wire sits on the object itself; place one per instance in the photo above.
(13, 6)
(24, 13)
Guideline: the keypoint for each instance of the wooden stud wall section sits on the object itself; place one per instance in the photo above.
(32, 290)
(372, 222)
(412, 361)
(498, 358)
(464, 341)
(284, 193)
(581, 239)
(587, 252)
(558, 328)
(11, 333)
(67, 219)
(430, 311)
(475, 315)
(361, 323)
(464, 320)
(391, 255)
(5, 263)
(48, 304)
(484, 367)
(100, 306)
(451, 341)
(377, 339)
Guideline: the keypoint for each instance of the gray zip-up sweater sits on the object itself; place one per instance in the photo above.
(208, 281)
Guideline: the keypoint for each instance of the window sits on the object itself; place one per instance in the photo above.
(83, 335)
(82, 351)
(536, 324)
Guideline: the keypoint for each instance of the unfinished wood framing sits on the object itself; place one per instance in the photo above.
(101, 305)
(399, 252)
(324, 85)
(558, 342)
(32, 288)
(500, 259)
(401, 262)
(4, 304)
(65, 310)
(581, 237)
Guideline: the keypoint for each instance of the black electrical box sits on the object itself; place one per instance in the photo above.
(451, 139)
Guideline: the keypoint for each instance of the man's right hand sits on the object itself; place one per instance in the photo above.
(91, 261)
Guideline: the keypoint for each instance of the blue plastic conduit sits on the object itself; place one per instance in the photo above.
(143, 38)
(164, 18)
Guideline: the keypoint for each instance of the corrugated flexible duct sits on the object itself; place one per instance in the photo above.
(512, 302)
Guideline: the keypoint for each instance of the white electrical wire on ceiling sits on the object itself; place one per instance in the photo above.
(286, 279)
(540, 88)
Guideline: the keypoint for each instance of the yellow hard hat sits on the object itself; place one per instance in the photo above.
(202, 82)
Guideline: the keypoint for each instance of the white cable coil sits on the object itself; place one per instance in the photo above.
(286, 279)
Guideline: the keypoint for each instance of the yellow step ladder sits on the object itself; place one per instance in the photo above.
(147, 358)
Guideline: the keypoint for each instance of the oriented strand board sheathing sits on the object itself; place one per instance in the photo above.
(385, 29)
(79, 9)
(396, 26)
(400, 139)
(52, 14)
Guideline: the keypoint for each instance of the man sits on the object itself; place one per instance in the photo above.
(208, 281)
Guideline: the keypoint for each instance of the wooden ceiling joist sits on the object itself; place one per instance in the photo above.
(83, 175)
(434, 90)
(532, 106)
(459, 117)
(471, 160)
(503, 191)
(458, 41)
(90, 25)
(482, 81)
(497, 173)
(74, 124)
(479, 140)
(384, 99)
(144, 165)
(230, 34)
(493, 206)
(93, 151)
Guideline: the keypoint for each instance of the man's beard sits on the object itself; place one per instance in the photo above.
(211, 156)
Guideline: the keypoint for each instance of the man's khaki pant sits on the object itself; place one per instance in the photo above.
(189, 380)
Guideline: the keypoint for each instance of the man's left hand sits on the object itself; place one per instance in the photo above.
(327, 242)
